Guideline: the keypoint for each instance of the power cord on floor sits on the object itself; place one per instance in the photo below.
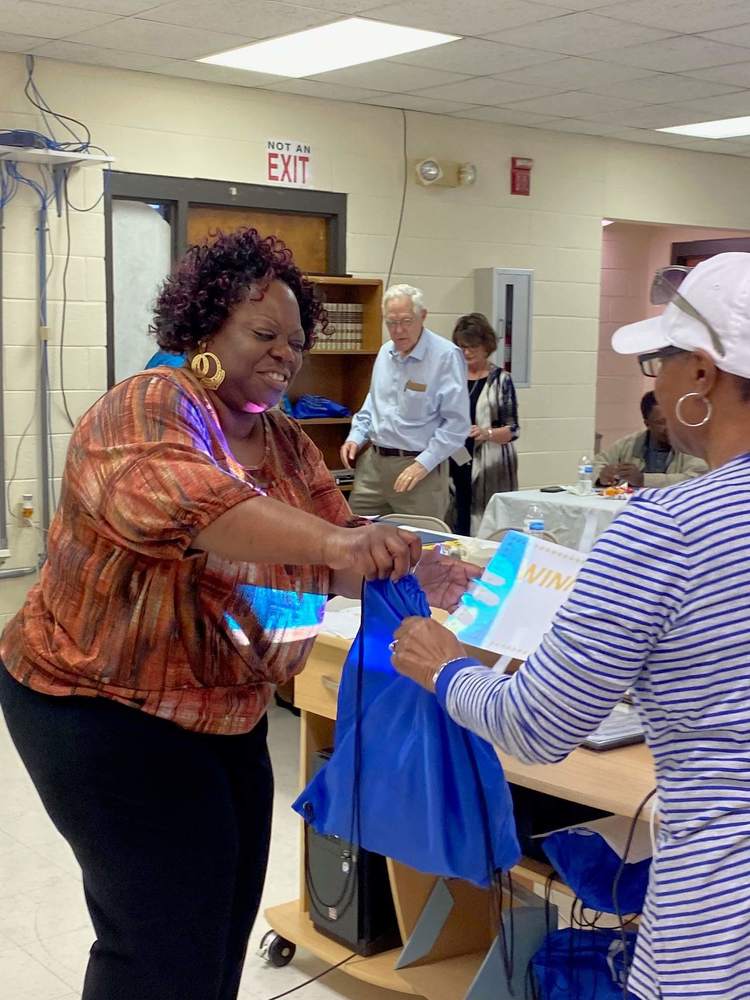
(314, 979)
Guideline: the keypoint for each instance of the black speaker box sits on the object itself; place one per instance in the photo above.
(349, 891)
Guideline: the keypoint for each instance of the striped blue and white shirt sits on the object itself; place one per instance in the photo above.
(662, 606)
(417, 403)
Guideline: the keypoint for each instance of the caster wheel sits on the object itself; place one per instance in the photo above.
(276, 950)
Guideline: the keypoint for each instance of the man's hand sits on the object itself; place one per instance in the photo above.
(630, 473)
(443, 579)
(609, 476)
(409, 478)
(348, 453)
(478, 433)
(377, 551)
(421, 646)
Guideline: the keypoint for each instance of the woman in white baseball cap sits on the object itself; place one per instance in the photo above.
(698, 350)
(661, 607)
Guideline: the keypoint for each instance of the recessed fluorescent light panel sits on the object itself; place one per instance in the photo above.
(723, 128)
(331, 46)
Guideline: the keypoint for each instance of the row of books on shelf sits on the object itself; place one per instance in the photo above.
(344, 330)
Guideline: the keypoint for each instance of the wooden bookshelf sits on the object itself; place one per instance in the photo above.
(343, 376)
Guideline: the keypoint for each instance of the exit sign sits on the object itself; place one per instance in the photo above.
(288, 162)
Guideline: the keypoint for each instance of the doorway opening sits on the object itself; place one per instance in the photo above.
(631, 253)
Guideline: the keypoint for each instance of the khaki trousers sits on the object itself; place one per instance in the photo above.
(373, 491)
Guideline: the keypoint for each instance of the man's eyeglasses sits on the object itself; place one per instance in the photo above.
(404, 321)
(664, 290)
(651, 364)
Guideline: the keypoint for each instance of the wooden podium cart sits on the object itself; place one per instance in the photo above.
(446, 964)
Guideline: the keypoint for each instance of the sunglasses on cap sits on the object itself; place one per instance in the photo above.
(664, 291)
(651, 363)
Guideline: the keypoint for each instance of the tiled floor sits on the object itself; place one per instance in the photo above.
(45, 932)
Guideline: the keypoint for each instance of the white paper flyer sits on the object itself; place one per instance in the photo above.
(512, 605)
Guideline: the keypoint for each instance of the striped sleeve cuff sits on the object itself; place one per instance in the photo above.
(448, 673)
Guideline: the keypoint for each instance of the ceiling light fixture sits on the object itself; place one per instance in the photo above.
(722, 128)
(331, 46)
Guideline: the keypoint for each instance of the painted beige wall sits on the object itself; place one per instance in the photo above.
(631, 253)
(163, 125)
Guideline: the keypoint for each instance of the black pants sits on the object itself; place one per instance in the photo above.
(171, 829)
(461, 476)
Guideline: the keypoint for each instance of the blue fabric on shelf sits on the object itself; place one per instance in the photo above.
(584, 860)
(312, 407)
(430, 794)
(575, 964)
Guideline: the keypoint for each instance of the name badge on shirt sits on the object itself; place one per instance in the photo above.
(416, 386)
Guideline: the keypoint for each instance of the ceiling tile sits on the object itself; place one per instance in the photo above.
(739, 35)
(476, 18)
(388, 76)
(650, 137)
(165, 40)
(17, 43)
(325, 91)
(260, 19)
(572, 73)
(504, 116)
(209, 73)
(579, 126)
(342, 6)
(24, 17)
(573, 104)
(475, 57)
(737, 74)
(486, 90)
(579, 34)
(678, 55)
(686, 16)
(413, 102)
(577, 5)
(724, 106)
(91, 55)
(122, 7)
(652, 117)
(659, 88)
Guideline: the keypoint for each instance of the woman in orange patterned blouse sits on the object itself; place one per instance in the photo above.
(197, 538)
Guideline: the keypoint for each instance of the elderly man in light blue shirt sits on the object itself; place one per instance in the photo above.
(415, 416)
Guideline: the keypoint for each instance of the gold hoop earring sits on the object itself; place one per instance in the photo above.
(690, 395)
(201, 366)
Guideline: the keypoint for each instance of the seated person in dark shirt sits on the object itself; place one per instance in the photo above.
(647, 457)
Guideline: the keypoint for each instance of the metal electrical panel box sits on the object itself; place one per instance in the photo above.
(504, 295)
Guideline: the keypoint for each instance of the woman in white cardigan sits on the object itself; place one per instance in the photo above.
(492, 466)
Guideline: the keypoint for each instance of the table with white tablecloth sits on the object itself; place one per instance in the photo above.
(575, 521)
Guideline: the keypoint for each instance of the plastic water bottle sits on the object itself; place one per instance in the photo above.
(585, 475)
(533, 522)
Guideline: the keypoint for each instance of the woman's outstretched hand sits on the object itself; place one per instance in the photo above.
(444, 579)
(377, 551)
(420, 646)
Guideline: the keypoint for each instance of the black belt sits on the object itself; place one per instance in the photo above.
(394, 452)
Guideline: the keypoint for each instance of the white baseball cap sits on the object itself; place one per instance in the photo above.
(718, 289)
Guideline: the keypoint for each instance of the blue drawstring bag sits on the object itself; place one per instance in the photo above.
(575, 964)
(315, 407)
(585, 861)
(405, 780)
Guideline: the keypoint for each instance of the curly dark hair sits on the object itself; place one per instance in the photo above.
(213, 277)
(475, 330)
